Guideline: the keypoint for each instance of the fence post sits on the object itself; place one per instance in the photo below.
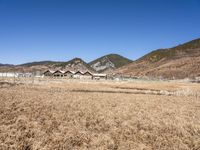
(6, 77)
(14, 78)
(32, 79)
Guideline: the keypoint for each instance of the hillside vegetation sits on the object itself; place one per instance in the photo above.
(109, 62)
(48, 63)
(75, 64)
(188, 48)
(182, 61)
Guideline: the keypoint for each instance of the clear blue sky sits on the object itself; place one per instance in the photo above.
(34, 30)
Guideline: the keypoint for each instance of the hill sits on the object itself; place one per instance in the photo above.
(48, 63)
(5, 65)
(74, 64)
(177, 62)
(109, 62)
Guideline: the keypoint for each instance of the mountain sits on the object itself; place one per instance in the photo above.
(109, 62)
(5, 65)
(105, 63)
(74, 64)
(48, 63)
(177, 62)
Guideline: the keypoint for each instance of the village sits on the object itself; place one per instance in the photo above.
(84, 75)
(57, 74)
(74, 74)
(67, 74)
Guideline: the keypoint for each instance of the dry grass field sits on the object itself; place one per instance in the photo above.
(77, 115)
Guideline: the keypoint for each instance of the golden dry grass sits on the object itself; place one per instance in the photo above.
(99, 116)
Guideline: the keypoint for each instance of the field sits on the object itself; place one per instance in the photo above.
(81, 115)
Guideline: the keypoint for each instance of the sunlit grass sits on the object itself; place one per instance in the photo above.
(61, 116)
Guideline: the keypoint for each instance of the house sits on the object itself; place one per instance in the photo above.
(78, 75)
(99, 76)
(69, 74)
(38, 74)
(58, 73)
(48, 73)
(87, 75)
(9, 74)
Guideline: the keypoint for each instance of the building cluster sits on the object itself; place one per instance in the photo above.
(74, 75)
(15, 74)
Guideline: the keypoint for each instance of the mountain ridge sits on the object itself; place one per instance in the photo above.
(73, 64)
(178, 62)
(5, 65)
(109, 62)
(35, 63)
(182, 61)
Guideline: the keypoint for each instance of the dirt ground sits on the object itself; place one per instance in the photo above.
(81, 115)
